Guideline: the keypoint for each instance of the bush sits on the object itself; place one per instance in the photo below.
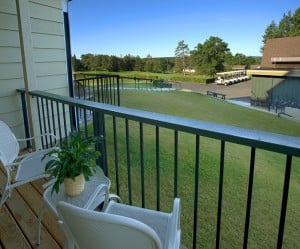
(210, 80)
(188, 78)
(161, 83)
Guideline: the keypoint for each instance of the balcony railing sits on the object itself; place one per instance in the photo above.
(152, 158)
(105, 88)
(101, 88)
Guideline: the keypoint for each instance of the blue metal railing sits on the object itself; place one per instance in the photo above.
(103, 88)
(132, 135)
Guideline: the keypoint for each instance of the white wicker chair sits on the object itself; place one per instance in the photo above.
(120, 226)
(29, 167)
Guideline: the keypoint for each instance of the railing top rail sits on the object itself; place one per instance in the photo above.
(97, 77)
(99, 74)
(135, 78)
(254, 138)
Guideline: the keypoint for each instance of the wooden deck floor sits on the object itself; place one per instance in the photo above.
(18, 219)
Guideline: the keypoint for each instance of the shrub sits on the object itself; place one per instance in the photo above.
(161, 83)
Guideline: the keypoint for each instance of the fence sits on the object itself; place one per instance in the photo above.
(152, 158)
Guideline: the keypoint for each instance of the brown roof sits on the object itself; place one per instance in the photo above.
(281, 53)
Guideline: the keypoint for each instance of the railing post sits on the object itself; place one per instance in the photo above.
(118, 90)
(284, 200)
(69, 68)
(220, 199)
(25, 118)
(249, 198)
(99, 131)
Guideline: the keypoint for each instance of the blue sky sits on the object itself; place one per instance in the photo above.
(140, 28)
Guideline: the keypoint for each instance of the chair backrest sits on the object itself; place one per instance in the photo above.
(9, 146)
(96, 230)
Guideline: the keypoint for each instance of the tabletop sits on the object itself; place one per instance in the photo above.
(90, 198)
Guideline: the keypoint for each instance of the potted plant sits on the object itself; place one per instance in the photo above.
(73, 163)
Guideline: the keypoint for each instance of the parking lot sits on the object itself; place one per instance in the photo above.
(240, 90)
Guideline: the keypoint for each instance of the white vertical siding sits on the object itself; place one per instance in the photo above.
(48, 45)
(45, 48)
(11, 73)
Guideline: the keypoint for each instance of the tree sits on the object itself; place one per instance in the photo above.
(288, 26)
(149, 64)
(296, 23)
(128, 62)
(77, 66)
(285, 25)
(209, 57)
(271, 31)
(87, 61)
(113, 64)
(160, 65)
(182, 53)
(139, 64)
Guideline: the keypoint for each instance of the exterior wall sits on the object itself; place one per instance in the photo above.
(48, 46)
(43, 40)
(287, 92)
(261, 85)
(11, 72)
(276, 90)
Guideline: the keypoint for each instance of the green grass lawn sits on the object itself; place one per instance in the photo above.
(197, 106)
(269, 171)
(149, 75)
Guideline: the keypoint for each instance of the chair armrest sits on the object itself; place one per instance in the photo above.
(175, 231)
(50, 135)
(115, 197)
(105, 195)
(34, 137)
(176, 213)
(49, 183)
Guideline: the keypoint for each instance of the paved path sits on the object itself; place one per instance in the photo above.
(239, 90)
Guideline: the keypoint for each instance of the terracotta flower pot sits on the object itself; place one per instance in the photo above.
(74, 187)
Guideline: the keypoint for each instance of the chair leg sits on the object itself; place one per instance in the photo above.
(68, 244)
(6, 194)
(40, 217)
(7, 189)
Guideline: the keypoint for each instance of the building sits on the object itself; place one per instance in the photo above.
(33, 56)
(277, 82)
(282, 53)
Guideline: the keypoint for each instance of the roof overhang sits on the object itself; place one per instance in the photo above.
(268, 72)
(275, 73)
(285, 59)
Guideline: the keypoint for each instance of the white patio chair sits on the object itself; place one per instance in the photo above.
(29, 167)
(120, 227)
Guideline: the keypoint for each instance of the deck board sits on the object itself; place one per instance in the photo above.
(19, 217)
(10, 234)
(50, 224)
(18, 226)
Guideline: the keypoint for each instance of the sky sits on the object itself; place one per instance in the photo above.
(154, 27)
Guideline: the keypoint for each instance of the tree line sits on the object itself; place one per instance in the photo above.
(208, 58)
(96, 62)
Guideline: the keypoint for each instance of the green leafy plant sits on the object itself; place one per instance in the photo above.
(76, 156)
